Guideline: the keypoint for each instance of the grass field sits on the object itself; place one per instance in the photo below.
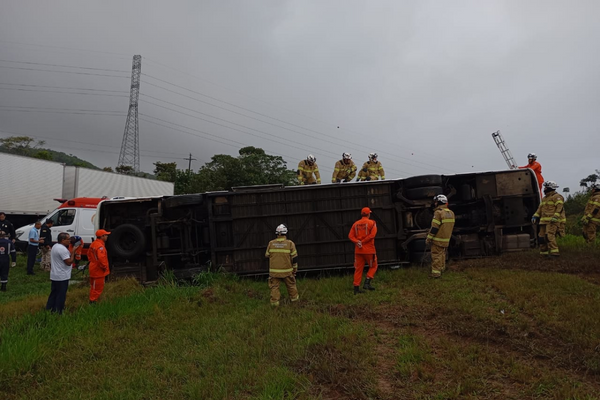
(510, 327)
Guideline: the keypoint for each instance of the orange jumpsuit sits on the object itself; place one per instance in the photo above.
(537, 168)
(364, 230)
(98, 268)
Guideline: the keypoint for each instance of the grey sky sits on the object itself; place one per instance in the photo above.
(422, 83)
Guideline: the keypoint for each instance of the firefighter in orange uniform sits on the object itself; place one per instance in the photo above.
(283, 265)
(98, 264)
(536, 167)
(439, 235)
(362, 234)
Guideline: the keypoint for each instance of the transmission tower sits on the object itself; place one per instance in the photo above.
(130, 148)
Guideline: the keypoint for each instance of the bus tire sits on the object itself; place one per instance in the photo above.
(126, 241)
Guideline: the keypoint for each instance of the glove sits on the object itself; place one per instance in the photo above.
(302, 183)
(368, 178)
(346, 180)
(428, 241)
(337, 181)
(359, 244)
(294, 272)
(14, 264)
(364, 170)
(585, 220)
(534, 220)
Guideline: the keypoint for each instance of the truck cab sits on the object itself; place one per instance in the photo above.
(75, 217)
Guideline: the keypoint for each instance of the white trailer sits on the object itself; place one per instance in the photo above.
(28, 186)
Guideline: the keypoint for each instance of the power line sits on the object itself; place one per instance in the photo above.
(62, 72)
(358, 146)
(58, 91)
(63, 66)
(62, 87)
(44, 46)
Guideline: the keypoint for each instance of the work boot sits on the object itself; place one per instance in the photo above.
(3, 288)
(367, 285)
(357, 290)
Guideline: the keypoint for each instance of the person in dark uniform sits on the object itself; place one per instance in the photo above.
(7, 251)
(7, 227)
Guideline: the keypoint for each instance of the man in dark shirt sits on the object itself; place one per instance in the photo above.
(7, 227)
(46, 234)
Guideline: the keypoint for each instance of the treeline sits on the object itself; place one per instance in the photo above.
(29, 147)
(252, 167)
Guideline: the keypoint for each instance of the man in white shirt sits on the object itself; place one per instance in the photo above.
(60, 273)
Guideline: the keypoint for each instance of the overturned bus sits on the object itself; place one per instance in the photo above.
(230, 230)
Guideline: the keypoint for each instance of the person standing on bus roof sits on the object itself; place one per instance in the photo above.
(536, 167)
(308, 171)
(362, 234)
(344, 170)
(98, 267)
(283, 265)
(439, 234)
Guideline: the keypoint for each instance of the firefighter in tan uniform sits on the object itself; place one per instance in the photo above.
(591, 215)
(548, 215)
(439, 235)
(371, 170)
(283, 265)
(344, 170)
(308, 171)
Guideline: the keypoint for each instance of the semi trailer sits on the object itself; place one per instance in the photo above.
(229, 230)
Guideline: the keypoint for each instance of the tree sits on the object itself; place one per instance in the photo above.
(21, 145)
(252, 167)
(107, 169)
(165, 171)
(585, 182)
(124, 169)
(43, 155)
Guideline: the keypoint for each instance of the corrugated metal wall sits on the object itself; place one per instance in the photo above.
(318, 221)
(92, 183)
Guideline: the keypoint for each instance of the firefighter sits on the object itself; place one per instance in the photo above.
(371, 170)
(439, 235)
(536, 167)
(283, 265)
(98, 266)
(308, 171)
(591, 215)
(548, 215)
(362, 234)
(345, 169)
(7, 252)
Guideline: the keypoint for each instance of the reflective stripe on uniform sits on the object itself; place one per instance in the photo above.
(277, 271)
(279, 250)
(441, 240)
(544, 253)
(554, 251)
(435, 221)
(444, 221)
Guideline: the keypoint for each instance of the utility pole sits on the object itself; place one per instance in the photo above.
(190, 163)
(130, 148)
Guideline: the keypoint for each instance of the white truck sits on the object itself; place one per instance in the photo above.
(29, 186)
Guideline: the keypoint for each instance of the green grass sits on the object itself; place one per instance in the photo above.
(510, 327)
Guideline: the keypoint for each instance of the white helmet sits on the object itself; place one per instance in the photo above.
(551, 185)
(372, 156)
(532, 155)
(440, 198)
(281, 230)
(595, 186)
(346, 156)
(311, 159)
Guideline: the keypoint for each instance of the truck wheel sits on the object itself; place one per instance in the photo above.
(183, 200)
(423, 180)
(126, 241)
(423, 192)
